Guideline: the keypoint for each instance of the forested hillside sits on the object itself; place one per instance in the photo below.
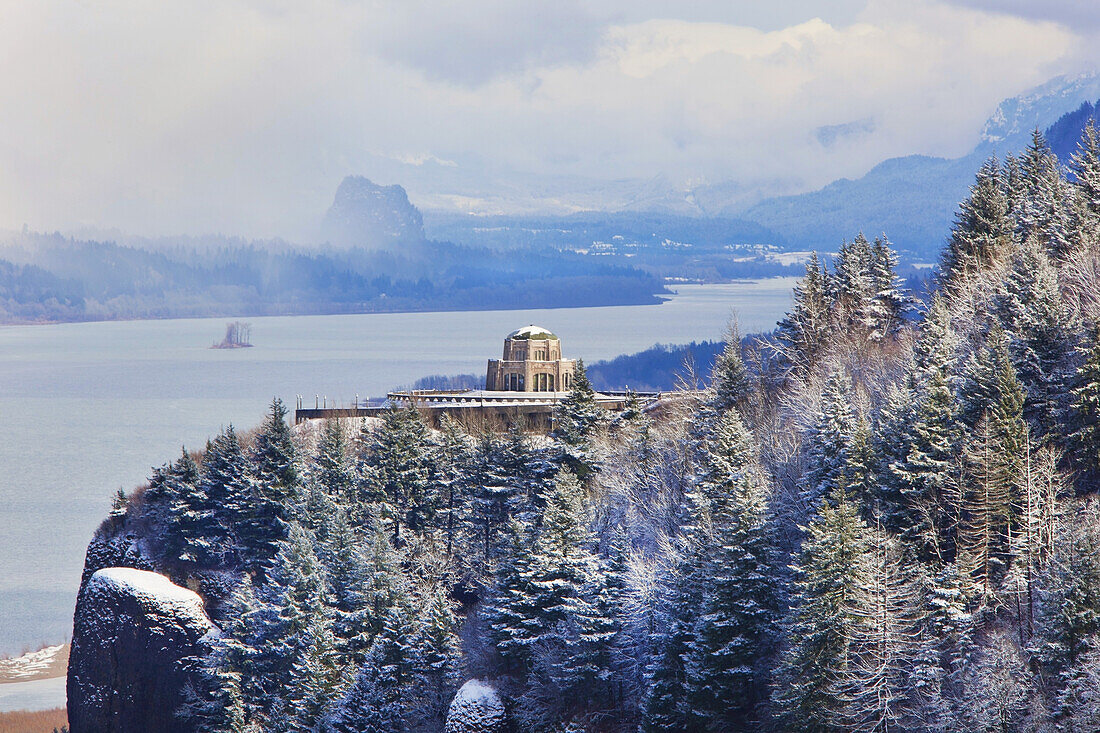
(53, 278)
(869, 522)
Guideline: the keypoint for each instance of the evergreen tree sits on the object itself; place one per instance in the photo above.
(1069, 618)
(377, 702)
(284, 625)
(858, 474)
(1034, 314)
(725, 674)
(1046, 211)
(577, 417)
(1084, 423)
(927, 477)
(831, 572)
(730, 378)
(888, 303)
(828, 443)
(594, 645)
(226, 701)
(190, 539)
(982, 230)
(934, 349)
(331, 468)
(354, 602)
(386, 585)
(510, 609)
(438, 658)
(276, 489)
(227, 482)
(450, 466)
(1086, 171)
(314, 677)
(994, 459)
(666, 702)
(803, 332)
(852, 288)
(495, 496)
(889, 446)
(399, 461)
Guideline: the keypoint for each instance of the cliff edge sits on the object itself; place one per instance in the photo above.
(134, 633)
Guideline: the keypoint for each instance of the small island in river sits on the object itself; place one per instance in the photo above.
(238, 335)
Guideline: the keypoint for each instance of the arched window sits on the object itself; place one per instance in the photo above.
(550, 379)
(521, 386)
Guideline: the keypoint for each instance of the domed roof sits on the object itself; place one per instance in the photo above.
(531, 332)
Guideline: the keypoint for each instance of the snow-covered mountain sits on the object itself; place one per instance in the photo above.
(913, 199)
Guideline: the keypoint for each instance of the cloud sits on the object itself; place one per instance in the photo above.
(1070, 13)
(242, 116)
(418, 159)
(830, 135)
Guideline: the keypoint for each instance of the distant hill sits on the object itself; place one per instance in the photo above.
(911, 199)
(1064, 134)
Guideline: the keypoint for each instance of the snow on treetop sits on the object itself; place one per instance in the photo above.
(478, 691)
(149, 588)
(531, 332)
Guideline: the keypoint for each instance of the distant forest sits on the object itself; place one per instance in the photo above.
(661, 367)
(47, 278)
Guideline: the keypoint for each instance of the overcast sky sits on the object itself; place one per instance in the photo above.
(242, 116)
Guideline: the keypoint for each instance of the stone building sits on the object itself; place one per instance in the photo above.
(532, 363)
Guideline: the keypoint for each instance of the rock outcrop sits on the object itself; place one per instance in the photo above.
(477, 708)
(133, 633)
(368, 215)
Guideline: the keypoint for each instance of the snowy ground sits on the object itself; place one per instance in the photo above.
(45, 663)
(34, 695)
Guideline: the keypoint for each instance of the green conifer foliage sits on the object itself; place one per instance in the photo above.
(927, 476)
(823, 619)
(331, 468)
(1046, 210)
(725, 673)
(730, 378)
(803, 331)
(275, 491)
(1085, 414)
(1041, 330)
(829, 442)
(578, 416)
(399, 462)
(982, 230)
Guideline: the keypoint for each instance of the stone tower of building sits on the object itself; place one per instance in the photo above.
(532, 363)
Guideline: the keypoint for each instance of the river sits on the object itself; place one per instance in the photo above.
(88, 408)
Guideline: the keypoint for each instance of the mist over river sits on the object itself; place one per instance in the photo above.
(88, 408)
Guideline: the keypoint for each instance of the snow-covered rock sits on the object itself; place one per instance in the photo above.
(133, 633)
(47, 662)
(477, 708)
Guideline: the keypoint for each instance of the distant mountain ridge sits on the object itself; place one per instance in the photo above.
(913, 199)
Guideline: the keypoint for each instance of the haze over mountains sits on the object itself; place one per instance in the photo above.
(911, 198)
(375, 250)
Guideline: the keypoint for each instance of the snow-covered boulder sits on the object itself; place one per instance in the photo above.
(476, 709)
(132, 634)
